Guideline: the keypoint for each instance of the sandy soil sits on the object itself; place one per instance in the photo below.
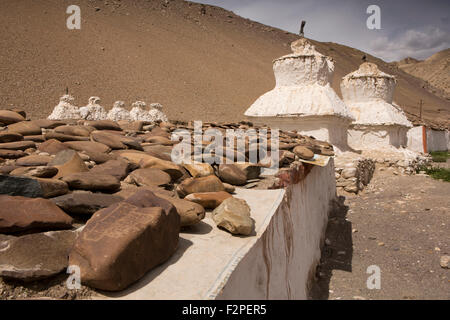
(208, 66)
(399, 223)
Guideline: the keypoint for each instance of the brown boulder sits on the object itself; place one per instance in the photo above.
(149, 177)
(232, 174)
(9, 117)
(64, 137)
(104, 125)
(92, 182)
(121, 243)
(52, 146)
(20, 214)
(10, 137)
(88, 146)
(39, 172)
(199, 169)
(33, 161)
(18, 145)
(52, 187)
(111, 140)
(116, 168)
(85, 203)
(36, 256)
(303, 152)
(202, 184)
(25, 128)
(234, 216)
(12, 154)
(82, 131)
(68, 162)
(208, 200)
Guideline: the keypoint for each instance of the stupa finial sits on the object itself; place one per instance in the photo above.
(301, 33)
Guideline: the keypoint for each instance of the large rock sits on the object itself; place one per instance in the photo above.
(52, 187)
(104, 125)
(199, 169)
(85, 203)
(25, 128)
(83, 131)
(149, 177)
(36, 256)
(203, 184)
(19, 214)
(232, 174)
(121, 243)
(303, 152)
(18, 145)
(92, 182)
(116, 168)
(159, 151)
(10, 137)
(234, 215)
(34, 161)
(9, 117)
(64, 137)
(208, 200)
(99, 157)
(52, 146)
(68, 162)
(190, 213)
(88, 146)
(31, 187)
(39, 172)
(12, 154)
(112, 140)
(48, 124)
(147, 161)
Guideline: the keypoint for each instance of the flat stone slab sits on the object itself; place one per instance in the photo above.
(205, 256)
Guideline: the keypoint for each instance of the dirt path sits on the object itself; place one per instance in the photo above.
(400, 224)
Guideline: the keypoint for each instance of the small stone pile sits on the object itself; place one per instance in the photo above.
(106, 196)
(353, 175)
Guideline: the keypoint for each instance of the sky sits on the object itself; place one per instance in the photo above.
(408, 28)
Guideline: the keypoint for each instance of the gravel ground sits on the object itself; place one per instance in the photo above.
(400, 224)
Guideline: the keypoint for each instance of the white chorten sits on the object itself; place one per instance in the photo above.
(65, 109)
(93, 111)
(157, 113)
(379, 123)
(139, 112)
(303, 99)
(118, 112)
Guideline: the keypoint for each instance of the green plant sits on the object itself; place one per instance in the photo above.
(438, 173)
(440, 156)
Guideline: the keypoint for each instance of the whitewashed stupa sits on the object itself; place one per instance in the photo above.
(303, 99)
(65, 109)
(93, 110)
(379, 123)
(118, 112)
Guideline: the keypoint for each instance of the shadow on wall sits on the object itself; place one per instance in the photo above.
(337, 251)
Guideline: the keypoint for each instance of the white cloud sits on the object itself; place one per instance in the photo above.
(411, 43)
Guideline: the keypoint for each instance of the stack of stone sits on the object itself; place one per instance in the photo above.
(106, 196)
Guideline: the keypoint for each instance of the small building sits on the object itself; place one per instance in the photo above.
(379, 122)
(303, 99)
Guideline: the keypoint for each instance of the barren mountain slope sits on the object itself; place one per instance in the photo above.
(435, 70)
(200, 64)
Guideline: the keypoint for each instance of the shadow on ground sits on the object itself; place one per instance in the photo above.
(337, 250)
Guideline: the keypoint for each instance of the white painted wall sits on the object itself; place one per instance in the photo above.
(282, 261)
(377, 137)
(437, 140)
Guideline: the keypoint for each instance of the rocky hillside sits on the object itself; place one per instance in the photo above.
(435, 70)
(200, 62)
